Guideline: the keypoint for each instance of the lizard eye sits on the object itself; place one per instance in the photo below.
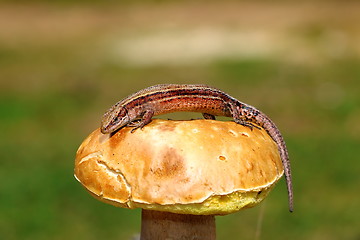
(116, 119)
(120, 115)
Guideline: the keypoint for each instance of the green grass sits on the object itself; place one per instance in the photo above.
(52, 96)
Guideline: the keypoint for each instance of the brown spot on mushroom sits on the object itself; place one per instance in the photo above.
(249, 166)
(167, 127)
(232, 133)
(244, 134)
(172, 164)
(222, 158)
(118, 137)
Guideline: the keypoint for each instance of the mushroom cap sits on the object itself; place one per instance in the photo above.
(199, 167)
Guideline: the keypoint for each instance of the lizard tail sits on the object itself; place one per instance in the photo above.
(275, 134)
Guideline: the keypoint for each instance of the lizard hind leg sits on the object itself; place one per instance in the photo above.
(247, 124)
(209, 116)
(236, 113)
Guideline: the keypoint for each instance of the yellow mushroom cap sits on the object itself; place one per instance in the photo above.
(199, 167)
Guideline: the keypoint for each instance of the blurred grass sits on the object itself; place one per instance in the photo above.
(53, 93)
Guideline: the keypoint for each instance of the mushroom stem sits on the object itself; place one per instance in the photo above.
(157, 225)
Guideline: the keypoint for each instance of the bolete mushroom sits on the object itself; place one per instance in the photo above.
(181, 173)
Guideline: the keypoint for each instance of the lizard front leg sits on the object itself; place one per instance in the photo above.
(145, 119)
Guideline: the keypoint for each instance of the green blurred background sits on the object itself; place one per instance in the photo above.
(63, 63)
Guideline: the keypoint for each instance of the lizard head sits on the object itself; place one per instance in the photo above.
(115, 118)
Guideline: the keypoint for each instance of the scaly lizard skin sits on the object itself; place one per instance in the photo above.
(211, 102)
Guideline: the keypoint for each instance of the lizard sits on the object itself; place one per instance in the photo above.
(137, 110)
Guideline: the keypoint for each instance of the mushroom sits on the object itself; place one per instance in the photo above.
(181, 173)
